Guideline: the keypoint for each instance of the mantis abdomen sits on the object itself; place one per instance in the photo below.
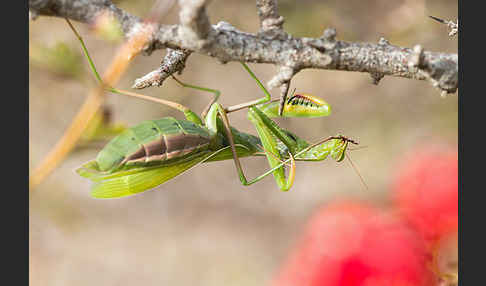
(153, 142)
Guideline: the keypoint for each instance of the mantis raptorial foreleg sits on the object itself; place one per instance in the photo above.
(216, 93)
(283, 184)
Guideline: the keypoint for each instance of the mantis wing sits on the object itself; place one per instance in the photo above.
(132, 181)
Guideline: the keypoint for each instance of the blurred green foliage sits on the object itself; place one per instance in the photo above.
(60, 59)
(101, 127)
(108, 28)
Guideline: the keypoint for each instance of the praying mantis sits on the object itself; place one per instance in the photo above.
(155, 151)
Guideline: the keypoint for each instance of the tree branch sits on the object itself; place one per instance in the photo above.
(193, 16)
(271, 25)
(268, 14)
(225, 43)
(173, 62)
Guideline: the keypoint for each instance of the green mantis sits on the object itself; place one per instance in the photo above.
(155, 151)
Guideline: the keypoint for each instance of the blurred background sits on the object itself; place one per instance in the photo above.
(204, 227)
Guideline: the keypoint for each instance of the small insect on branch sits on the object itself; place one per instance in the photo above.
(454, 26)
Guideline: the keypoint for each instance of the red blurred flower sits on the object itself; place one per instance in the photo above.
(354, 244)
(426, 191)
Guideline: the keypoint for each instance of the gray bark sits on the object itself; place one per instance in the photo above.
(271, 45)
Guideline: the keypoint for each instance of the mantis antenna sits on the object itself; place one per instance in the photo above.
(357, 172)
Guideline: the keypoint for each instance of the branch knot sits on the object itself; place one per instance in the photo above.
(383, 42)
(272, 23)
(329, 35)
(417, 57)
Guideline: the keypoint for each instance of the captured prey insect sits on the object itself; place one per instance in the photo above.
(155, 151)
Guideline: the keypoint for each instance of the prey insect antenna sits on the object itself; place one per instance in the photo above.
(358, 148)
(358, 172)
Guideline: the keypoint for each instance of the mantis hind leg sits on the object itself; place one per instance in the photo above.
(265, 99)
(190, 115)
(216, 93)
